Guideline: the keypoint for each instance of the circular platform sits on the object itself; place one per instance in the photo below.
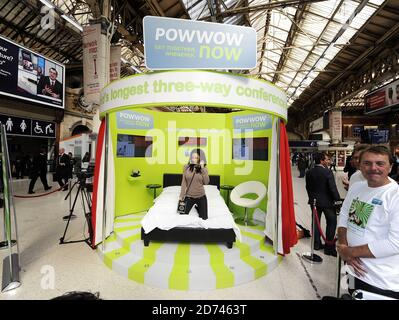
(187, 266)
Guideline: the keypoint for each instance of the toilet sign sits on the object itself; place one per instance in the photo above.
(27, 127)
(171, 43)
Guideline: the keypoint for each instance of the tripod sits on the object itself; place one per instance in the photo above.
(86, 204)
(70, 197)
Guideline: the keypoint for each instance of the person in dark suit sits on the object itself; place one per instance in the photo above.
(320, 186)
(62, 170)
(39, 169)
(303, 164)
(50, 86)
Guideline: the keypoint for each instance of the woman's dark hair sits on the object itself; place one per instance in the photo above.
(202, 157)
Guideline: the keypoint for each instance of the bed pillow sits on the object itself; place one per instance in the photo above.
(211, 190)
(171, 189)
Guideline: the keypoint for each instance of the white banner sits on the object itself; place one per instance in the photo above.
(115, 63)
(316, 125)
(194, 88)
(95, 60)
(335, 120)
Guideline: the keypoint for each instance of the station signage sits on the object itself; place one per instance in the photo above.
(27, 127)
(171, 43)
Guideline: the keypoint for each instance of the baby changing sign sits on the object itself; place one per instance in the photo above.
(184, 44)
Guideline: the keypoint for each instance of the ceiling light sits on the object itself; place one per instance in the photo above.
(47, 3)
(72, 21)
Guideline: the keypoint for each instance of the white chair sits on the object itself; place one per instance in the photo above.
(241, 190)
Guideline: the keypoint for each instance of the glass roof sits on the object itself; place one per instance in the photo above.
(291, 53)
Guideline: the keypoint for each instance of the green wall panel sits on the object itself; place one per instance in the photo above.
(132, 195)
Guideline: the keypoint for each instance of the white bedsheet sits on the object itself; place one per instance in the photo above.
(163, 214)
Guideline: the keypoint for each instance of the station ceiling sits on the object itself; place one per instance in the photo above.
(306, 47)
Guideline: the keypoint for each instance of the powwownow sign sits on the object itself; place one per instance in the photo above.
(134, 120)
(184, 44)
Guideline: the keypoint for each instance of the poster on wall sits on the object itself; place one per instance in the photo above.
(129, 146)
(383, 99)
(30, 76)
(250, 148)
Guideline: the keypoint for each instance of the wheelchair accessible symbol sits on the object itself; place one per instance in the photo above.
(38, 129)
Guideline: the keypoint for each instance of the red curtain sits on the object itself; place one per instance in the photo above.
(289, 233)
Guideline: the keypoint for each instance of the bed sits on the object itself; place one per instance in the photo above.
(163, 223)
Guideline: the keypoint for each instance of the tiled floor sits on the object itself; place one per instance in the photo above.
(50, 269)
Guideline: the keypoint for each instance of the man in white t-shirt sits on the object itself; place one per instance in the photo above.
(368, 227)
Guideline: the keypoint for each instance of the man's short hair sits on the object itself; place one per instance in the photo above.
(360, 147)
(55, 70)
(377, 150)
(319, 157)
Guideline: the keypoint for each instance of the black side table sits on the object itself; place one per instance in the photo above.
(154, 187)
(228, 188)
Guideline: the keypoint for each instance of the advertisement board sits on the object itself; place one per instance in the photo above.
(27, 75)
(184, 44)
(383, 99)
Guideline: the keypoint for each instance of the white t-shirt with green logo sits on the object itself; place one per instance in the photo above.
(371, 216)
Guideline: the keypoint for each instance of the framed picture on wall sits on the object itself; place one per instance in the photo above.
(192, 141)
(132, 146)
(251, 148)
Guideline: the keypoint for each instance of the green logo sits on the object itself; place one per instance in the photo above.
(360, 212)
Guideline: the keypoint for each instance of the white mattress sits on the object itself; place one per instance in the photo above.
(163, 214)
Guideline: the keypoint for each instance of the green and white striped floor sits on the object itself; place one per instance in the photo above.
(186, 266)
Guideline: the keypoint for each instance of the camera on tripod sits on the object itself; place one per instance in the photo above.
(83, 175)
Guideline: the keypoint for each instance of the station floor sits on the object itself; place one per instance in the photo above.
(49, 270)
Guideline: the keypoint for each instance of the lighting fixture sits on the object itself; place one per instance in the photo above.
(47, 3)
(72, 22)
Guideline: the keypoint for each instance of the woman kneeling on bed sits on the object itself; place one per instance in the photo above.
(195, 176)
